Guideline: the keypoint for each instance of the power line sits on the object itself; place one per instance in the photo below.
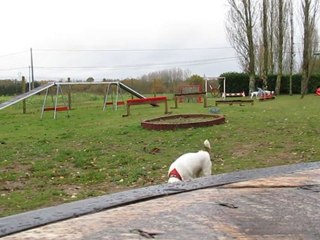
(180, 63)
(130, 66)
(95, 67)
(12, 54)
(13, 68)
(131, 50)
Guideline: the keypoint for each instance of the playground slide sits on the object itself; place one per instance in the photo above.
(130, 90)
(26, 95)
(133, 92)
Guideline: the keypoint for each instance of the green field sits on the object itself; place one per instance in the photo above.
(93, 152)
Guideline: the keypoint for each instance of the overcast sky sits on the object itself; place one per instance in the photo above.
(113, 38)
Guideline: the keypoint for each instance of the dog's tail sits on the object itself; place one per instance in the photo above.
(207, 145)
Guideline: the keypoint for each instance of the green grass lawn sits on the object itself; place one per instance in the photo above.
(93, 152)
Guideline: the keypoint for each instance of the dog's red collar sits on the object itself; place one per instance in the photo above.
(174, 173)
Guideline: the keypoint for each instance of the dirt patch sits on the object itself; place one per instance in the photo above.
(284, 153)
(243, 150)
(173, 122)
(11, 186)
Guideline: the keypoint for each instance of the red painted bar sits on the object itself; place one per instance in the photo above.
(58, 109)
(145, 100)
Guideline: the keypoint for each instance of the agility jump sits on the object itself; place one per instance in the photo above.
(197, 95)
(153, 101)
(241, 102)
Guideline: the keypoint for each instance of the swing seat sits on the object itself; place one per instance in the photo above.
(58, 108)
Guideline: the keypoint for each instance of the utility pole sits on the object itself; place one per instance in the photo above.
(23, 86)
(32, 76)
(29, 78)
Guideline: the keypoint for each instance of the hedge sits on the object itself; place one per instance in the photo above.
(239, 82)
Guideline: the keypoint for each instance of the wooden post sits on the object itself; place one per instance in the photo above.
(69, 95)
(23, 86)
(205, 100)
(128, 111)
(166, 107)
(175, 102)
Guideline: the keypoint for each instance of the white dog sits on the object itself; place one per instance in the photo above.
(191, 165)
(256, 93)
(261, 93)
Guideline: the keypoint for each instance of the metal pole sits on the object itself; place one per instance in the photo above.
(224, 88)
(106, 97)
(32, 76)
(44, 102)
(56, 102)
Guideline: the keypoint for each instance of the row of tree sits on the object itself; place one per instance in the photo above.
(164, 82)
(263, 33)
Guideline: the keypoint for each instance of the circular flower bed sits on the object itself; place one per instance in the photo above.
(172, 122)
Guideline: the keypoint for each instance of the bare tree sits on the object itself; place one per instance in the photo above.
(291, 47)
(240, 29)
(272, 17)
(280, 42)
(310, 11)
(265, 67)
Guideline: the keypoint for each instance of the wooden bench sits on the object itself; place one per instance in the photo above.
(119, 103)
(266, 97)
(153, 101)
